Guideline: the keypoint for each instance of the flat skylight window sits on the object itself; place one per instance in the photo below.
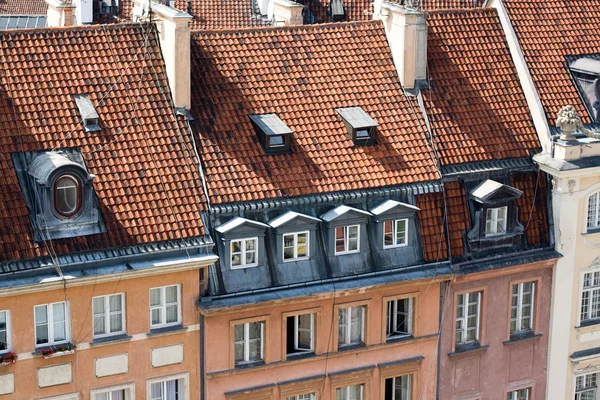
(361, 127)
(274, 135)
(87, 111)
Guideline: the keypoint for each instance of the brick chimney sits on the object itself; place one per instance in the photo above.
(406, 31)
(60, 13)
(286, 12)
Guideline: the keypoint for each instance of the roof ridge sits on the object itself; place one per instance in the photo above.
(70, 28)
(286, 27)
(475, 10)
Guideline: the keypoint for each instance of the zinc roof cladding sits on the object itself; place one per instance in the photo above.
(548, 31)
(23, 7)
(147, 177)
(476, 106)
(302, 74)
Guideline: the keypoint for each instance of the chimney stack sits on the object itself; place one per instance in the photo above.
(60, 13)
(406, 31)
(286, 12)
(84, 12)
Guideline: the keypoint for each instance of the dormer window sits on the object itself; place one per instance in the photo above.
(273, 134)
(67, 195)
(360, 126)
(495, 221)
(347, 239)
(87, 111)
(585, 71)
(244, 253)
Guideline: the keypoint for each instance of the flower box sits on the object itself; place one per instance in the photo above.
(57, 351)
(8, 358)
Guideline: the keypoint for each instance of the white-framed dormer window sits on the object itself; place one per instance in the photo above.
(109, 315)
(593, 211)
(521, 310)
(249, 342)
(295, 246)
(5, 338)
(468, 310)
(399, 318)
(351, 326)
(495, 221)
(347, 239)
(590, 296)
(244, 253)
(586, 387)
(165, 309)
(51, 324)
(395, 233)
(521, 394)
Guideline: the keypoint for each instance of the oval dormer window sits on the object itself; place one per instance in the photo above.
(67, 195)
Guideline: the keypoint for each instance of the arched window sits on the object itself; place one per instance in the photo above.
(67, 195)
(593, 212)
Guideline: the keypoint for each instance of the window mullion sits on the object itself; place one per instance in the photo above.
(478, 315)
(106, 305)
(246, 342)
(163, 292)
(519, 306)
(50, 319)
(295, 245)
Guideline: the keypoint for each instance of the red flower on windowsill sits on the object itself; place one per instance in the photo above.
(58, 350)
(8, 358)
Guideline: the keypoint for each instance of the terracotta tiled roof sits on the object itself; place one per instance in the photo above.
(476, 107)
(302, 74)
(433, 5)
(356, 10)
(431, 222)
(23, 7)
(43, 68)
(533, 208)
(547, 31)
(458, 217)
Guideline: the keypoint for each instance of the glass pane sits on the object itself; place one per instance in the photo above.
(355, 392)
(302, 244)
(339, 239)
(156, 391)
(102, 396)
(251, 257)
(116, 322)
(288, 253)
(99, 328)
(41, 334)
(236, 246)
(239, 352)
(251, 244)
(156, 316)
(254, 349)
(98, 305)
(60, 328)
(171, 294)
(66, 195)
(276, 141)
(41, 316)
(387, 234)
(304, 340)
(401, 231)
(172, 314)
(155, 297)
(288, 240)
(3, 340)
(254, 330)
(115, 303)
(60, 331)
(239, 332)
(236, 259)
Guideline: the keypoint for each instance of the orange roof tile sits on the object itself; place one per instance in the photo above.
(433, 5)
(23, 7)
(476, 106)
(533, 208)
(549, 30)
(302, 74)
(43, 68)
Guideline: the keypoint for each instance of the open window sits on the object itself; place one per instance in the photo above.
(361, 127)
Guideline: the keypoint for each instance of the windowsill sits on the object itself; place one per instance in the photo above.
(345, 253)
(299, 356)
(589, 322)
(250, 364)
(290, 260)
(398, 338)
(167, 330)
(350, 347)
(395, 246)
(467, 349)
(521, 337)
(243, 266)
(591, 231)
(123, 337)
(38, 350)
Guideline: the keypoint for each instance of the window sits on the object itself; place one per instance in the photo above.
(112, 395)
(300, 333)
(67, 195)
(590, 296)
(119, 392)
(306, 396)
(586, 387)
(167, 390)
(521, 310)
(4, 331)
(164, 306)
(295, 246)
(398, 388)
(521, 394)
(394, 233)
(353, 392)
(51, 324)
(244, 253)
(593, 219)
(495, 221)
(351, 323)
(109, 315)
(347, 239)
(399, 318)
(249, 339)
(467, 317)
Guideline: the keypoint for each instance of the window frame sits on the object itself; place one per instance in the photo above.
(295, 246)
(360, 385)
(78, 185)
(340, 346)
(243, 252)
(50, 323)
(591, 290)
(398, 370)
(346, 239)
(512, 394)
(415, 315)
(310, 385)
(246, 343)
(481, 320)
(596, 226)
(185, 378)
(129, 389)
(163, 307)
(316, 311)
(394, 316)
(495, 212)
(534, 304)
(395, 233)
(594, 388)
(8, 333)
(107, 315)
(266, 351)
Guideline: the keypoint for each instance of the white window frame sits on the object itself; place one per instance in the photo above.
(346, 237)
(594, 275)
(8, 332)
(297, 349)
(243, 252)
(586, 388)
(465, 318)
(50, 323)
(512, 395)
(295, 246)
(129, 389)
(163, 307)
(518, 327)
(392, 321)
(494, 219)
(347, 390)
(246, 342)
(185, 379)
(303, 396)
(107, 314)
(394, 378)
(595, 199)
(348, 336)
(395, 233)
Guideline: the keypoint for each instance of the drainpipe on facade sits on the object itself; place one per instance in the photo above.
(202, 387)
(439, 345)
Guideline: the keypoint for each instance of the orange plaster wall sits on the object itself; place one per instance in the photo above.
(221, 378)
(137, 322)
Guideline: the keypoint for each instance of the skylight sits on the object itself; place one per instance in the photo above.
(274, 135)
(361, 127)
(89, 116)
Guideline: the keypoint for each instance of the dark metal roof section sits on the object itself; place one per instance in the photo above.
(22, 21)
(361, 127)
(337, 11)
(274, 135)
(585, 71)
(89, 116)
(271, 124)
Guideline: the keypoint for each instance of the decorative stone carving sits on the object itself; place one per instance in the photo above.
(568, 121)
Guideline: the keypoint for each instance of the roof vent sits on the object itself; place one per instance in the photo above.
(361, 127)
(273, 134)
(89, 116)
(337, 11)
